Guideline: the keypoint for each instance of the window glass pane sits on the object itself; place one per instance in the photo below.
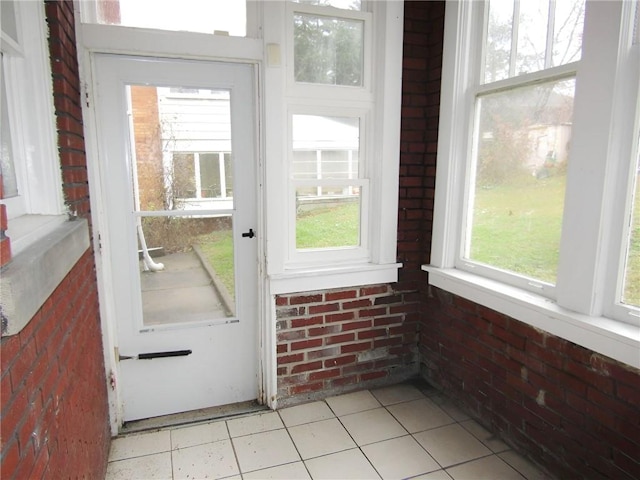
(8, 19)
(7, 169)
(532, 36)
(498, 43)
(522, 151)
(325, 147)
(185, 15)
(545, 34)
(631, 293)
(327, 217)
(328, 50)
(183, 180)
(228, 174)
(567, 36)
(210, 186)
(345, 4)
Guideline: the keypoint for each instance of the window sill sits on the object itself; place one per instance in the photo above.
(615, 339)
(37, 268)
(310, 279)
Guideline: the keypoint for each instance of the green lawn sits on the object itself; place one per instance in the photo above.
(632, 280)
(218, 248)
(516, 228)
(329, 227)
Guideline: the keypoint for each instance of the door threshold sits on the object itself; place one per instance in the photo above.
(193, 416)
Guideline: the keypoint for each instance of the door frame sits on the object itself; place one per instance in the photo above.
(100, 39)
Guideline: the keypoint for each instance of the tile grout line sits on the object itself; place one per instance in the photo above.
(294, 444)
(351, 436)
(233, 448)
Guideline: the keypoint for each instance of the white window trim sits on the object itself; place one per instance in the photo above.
(42, 240)
(342, 92)
(382, 166)
(32, 116)
(303, 258)
(579, 313)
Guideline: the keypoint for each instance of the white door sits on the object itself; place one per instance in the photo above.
(178, 169)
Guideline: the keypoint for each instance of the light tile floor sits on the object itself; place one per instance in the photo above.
(392, 432)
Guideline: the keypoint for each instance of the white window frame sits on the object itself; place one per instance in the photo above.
(356, 254)
(341, 92)
(31, 112)
(606, 86)
(379, 100)
(197, 173)
(38, 231)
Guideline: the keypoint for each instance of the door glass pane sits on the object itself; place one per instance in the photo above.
(327, 217)
(328, 50)
(182, 148)
(189, 274)
(522, 149)
(185, 15)
(181, 162)
(631, 293)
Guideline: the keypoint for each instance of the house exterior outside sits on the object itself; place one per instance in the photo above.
(57, 384)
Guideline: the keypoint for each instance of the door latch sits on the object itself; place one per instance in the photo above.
(151, 356)
(249, 234)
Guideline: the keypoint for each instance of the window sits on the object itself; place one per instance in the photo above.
(37, 226)
(329, 158)
(327, 182)
(327, 50)
(203, 175)
(212, 16)
(631, 280)
(537, 166)
(521, 142)
(29, 162)
(332, 123)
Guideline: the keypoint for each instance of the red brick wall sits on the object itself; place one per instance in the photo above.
(345, 339)
(54, 411)
(574, 411)
(568, 408)
(54, 399)
(68, 106)
(148, 144)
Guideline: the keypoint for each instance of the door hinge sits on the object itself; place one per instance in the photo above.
(86, 95)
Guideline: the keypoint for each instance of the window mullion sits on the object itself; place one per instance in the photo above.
(197, 175)
(515, 25)
(585, 231)
(551, 21)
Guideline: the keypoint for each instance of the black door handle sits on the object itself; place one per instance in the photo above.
(249, 234)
